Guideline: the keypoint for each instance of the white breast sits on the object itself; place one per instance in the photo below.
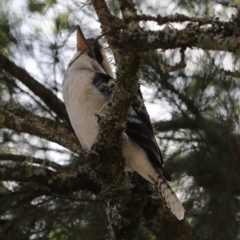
(83, 103)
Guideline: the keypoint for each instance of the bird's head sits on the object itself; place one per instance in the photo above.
(90, 55)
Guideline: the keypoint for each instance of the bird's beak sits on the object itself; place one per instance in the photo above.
(81, 42)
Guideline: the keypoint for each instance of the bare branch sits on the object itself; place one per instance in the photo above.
(30, 160)
(109, 144)
(11, 121)
(109, 23)
(235, 74)
(64, 130)
(63, 182)
(209, 38)
(177, 18)
(178, 66)
(37, 88)
(104, 15)
(175, 124)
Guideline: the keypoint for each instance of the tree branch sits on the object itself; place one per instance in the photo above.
(174, 125)
(11, 121)
(235, 74)
(63, 182)
(184, 123)
(178, 18)
(220, 36)
(215, 37)
(64, 130)
(104, 15)
(109, 23)
(30, 160)
(124, 208)
(178, 66)
(37, 88)
(128, 9)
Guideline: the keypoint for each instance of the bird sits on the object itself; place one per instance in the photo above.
(86, 89)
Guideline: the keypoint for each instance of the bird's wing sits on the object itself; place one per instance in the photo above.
(139, 128)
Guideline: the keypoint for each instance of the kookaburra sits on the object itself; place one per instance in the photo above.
(85, 90)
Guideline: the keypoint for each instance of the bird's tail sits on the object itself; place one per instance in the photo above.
(169, 197)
